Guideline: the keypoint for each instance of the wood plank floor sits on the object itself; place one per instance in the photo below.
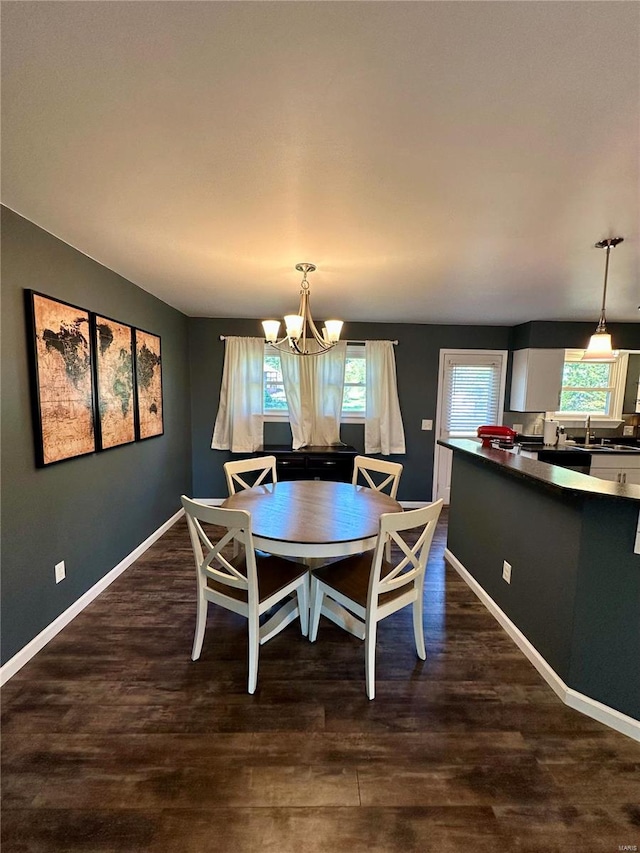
(114, 740)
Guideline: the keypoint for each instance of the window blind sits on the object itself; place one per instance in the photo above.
(471, 393)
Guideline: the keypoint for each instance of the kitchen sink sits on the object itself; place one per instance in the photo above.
(590, 448)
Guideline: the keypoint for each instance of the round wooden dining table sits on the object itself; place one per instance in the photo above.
(313, 519)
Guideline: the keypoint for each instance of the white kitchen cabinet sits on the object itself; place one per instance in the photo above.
(536, 380)
(619, 467)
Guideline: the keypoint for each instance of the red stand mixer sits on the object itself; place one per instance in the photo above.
(489, 433)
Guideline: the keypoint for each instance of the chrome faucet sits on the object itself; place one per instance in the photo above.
(589, 437)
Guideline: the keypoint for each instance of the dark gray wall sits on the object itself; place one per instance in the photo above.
(606, 629)
(92, 511)
(545, 334)
(492, 518)
(417, 357)
(575, 580)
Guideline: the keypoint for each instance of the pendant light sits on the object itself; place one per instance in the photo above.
(599, 348)
(302, 336)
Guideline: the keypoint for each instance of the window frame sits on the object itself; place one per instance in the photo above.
(271, 415)
(282, 416)
(616, 387)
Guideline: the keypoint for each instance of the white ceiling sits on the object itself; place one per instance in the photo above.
(447, 162)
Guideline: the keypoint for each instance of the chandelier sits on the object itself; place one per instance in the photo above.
(302, 336)
(599, 348)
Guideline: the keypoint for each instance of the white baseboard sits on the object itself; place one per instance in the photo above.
(33, 647)
(578, 701)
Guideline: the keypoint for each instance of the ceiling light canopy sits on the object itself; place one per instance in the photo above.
(599, 348)
(302, 336)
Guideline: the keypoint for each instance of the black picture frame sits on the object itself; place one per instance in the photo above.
(62, 378)
(149, 399)
(114, 377)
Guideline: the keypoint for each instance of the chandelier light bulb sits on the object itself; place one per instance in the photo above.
(271, 330)
(293, 324)
(333, 329)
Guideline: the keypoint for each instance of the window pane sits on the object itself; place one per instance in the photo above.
(354, 399)
(274, 396)
(583, 375)
(355, 370)
(589, 402)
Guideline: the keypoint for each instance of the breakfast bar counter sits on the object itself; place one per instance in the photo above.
(572, 545)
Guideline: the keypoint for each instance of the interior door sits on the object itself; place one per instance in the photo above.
(471, 386)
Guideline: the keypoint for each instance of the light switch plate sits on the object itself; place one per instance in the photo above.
(427, 424)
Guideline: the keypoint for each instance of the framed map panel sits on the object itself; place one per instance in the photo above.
(113, 348)
(148, 365)
(62, 379)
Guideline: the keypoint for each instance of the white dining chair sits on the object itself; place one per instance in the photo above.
(249, 583)
(380, 475)
(262, 469)
(377, 474)
(358, 592)
(261, 466)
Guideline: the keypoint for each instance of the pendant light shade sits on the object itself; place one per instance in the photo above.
(599, 347)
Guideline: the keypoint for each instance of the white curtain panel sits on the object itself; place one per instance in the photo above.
(314, 387)
(239, 423)
(383, 429)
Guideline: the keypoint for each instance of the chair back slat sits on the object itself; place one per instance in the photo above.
(409, 568)
(377, 474)
(261, 467)
(209, 559)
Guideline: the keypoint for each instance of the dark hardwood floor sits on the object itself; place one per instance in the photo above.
(114, 740)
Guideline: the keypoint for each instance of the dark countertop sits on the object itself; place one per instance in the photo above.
(543, 472)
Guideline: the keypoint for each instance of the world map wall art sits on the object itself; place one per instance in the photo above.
(114, 382)
(148, 385)
(96, 382)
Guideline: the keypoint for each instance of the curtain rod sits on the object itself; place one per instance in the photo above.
(395, 343)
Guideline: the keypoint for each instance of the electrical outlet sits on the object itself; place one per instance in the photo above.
(61, 572)
(506, 572)
(427, 424)
(627, 430)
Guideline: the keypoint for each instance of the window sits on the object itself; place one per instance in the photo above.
(354, 398)
(472, 392)
(591, 388)
(274, 398)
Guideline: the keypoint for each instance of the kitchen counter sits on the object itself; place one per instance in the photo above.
(573, 544)
(550, 475)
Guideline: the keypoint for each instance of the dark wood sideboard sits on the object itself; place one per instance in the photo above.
(312, 463)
